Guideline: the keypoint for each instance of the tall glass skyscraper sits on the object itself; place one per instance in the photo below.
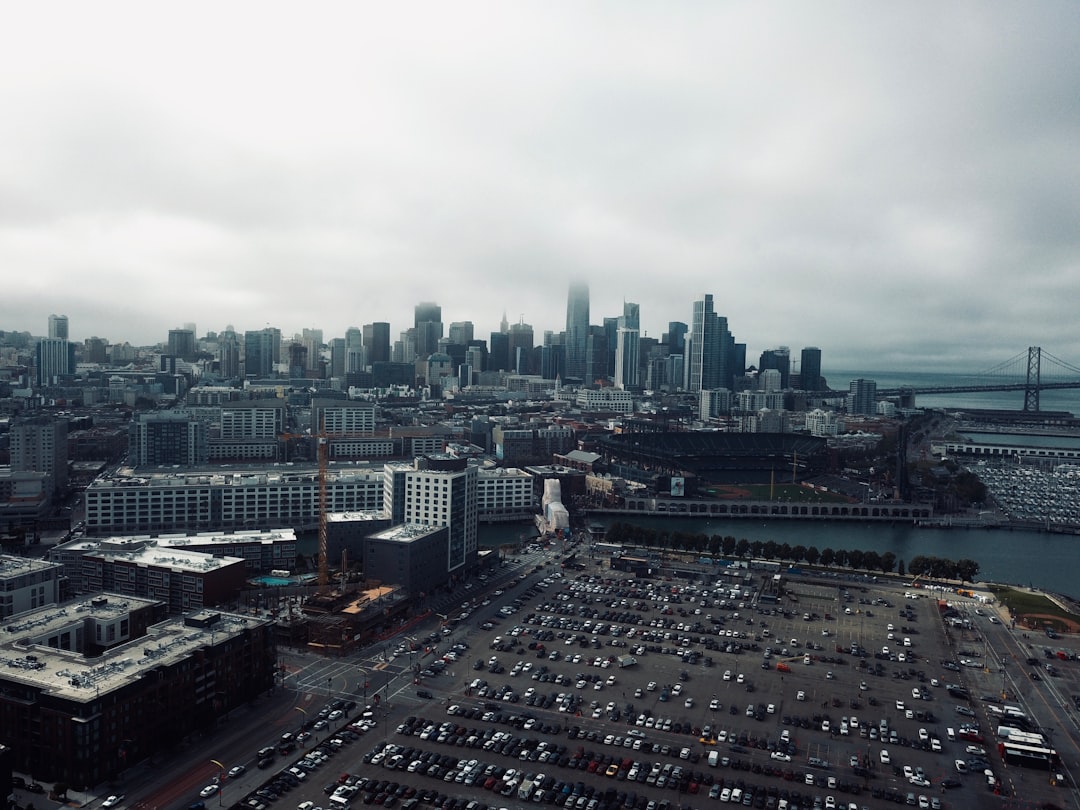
(712, 349)
(810, 369)
(577, 331)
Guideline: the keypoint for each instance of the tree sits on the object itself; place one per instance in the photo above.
(966, 570)
(888, 561)
(828, 557)
(900, 568)
(742, 547)
(812, 555)
(798, 553)
(871, 561)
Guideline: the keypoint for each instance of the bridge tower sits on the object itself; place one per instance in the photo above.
(1031, 384)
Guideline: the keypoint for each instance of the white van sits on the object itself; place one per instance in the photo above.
(950, 733)
(714, 758)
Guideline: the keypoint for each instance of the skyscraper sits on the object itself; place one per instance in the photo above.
(778, 360)
(461, 332)
(499, 352)
(354, 350)
(229, 355)
(676, 337)
(55, 357)
(628, 348)
(862, 397)
(577, 332)
(627, 359)
(58, 327)
(429, 328)
(376, 343)
(520, 348)
(810, 369)
(182, 343)
(262, 352)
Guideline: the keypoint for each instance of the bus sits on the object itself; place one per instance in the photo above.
(1014, 735)
(1031, 756)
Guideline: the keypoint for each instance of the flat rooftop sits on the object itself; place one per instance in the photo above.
(26, 660)
(12, 566)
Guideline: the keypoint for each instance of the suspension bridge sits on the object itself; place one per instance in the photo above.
(1032, 372)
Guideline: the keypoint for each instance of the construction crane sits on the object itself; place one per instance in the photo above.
(322, 454)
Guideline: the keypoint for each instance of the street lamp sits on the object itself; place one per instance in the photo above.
(220, 781)
(303, 723)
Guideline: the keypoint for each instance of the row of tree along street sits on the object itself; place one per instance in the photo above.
(714, 546)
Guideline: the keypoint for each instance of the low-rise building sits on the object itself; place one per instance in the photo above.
(27, 584)
(93, 687)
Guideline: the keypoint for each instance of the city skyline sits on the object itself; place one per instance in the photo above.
(898, 190)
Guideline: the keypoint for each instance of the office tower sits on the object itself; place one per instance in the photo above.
(520, 348)
(611, 340)
(165, 438)
(39, 444)
(429, 328)
(712, 349)
(95, 350)
(262, 352)
(780, 360)
(627, 359)
(770, 380)
(552, 357)
(376, 343)
(337, 357)
(229, 355)
(810, 369)
(354, 350)
(182, 344)
(312, 340)
(441, 491)
(54, 358)
(676, 337)
(577, 333)
(504, 325)
(499, 352)
(461, 332)
(298, 360)
(476, 355)
(58, 327)
(862, 397)
(596, 356)
(627, 347)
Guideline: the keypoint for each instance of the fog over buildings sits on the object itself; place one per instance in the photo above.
(895, 185)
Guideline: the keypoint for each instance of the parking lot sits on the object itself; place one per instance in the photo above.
(598, 690)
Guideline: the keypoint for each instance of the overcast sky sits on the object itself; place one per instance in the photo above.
(896, 183)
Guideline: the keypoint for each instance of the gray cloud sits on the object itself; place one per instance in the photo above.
(897, 185)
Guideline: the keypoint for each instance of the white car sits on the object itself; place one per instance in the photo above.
(208, 791)
(113, 800)
(885, 759)
(236, 771)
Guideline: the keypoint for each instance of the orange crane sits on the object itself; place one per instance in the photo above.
(322, 456)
